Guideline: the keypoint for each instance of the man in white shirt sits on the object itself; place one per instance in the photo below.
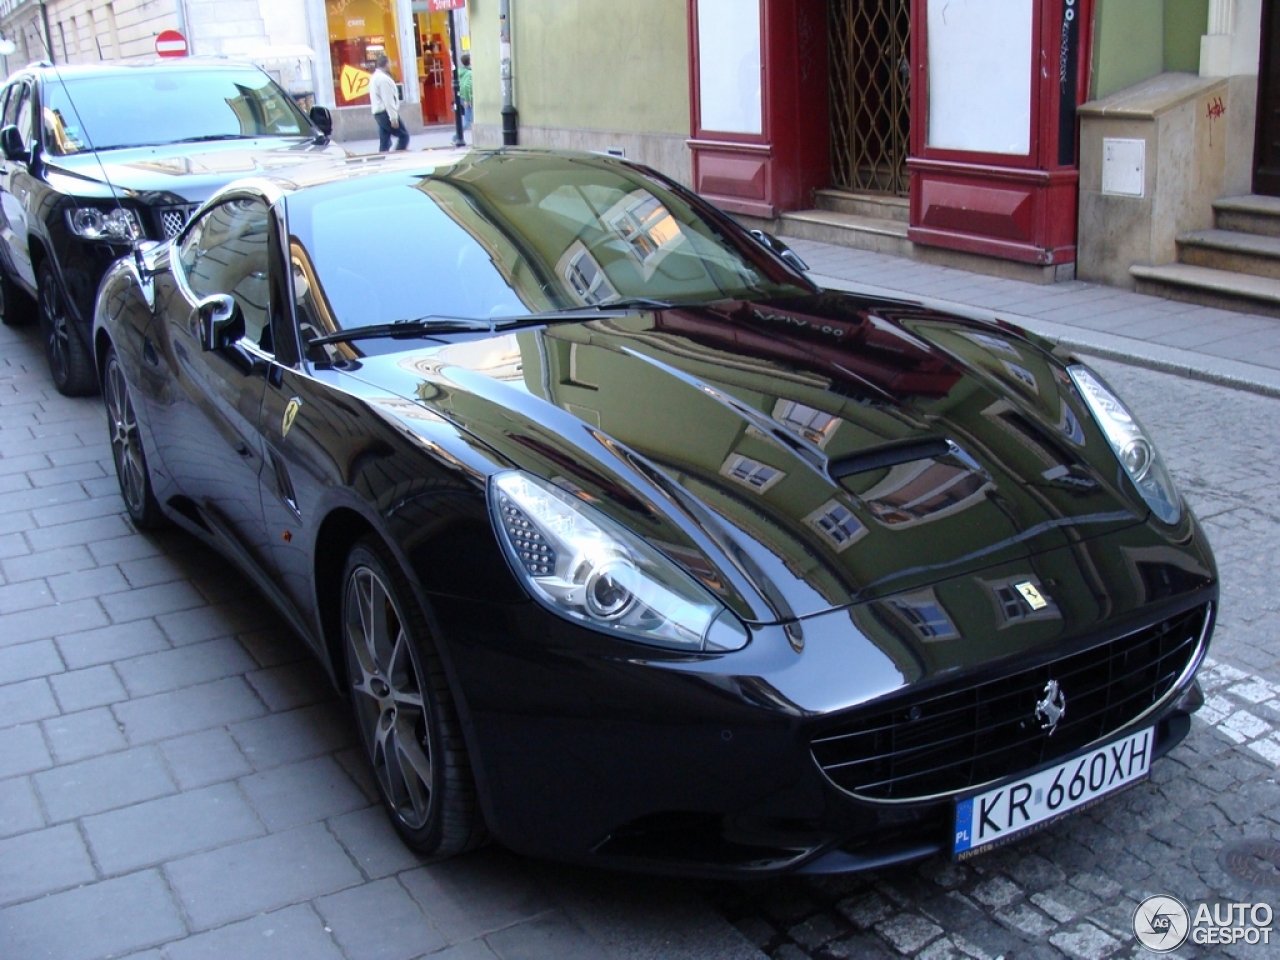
(386, 107)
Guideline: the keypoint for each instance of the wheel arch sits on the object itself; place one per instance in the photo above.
(338, 533)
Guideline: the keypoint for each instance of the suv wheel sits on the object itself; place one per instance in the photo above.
(69, 360)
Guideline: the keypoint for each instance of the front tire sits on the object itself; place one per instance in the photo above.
(69, 360)
(404, 710)
(126, 448)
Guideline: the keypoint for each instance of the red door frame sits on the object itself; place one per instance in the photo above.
(1013, 207)
(778, 169)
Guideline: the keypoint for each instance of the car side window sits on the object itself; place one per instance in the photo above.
(25, 119)
(226, 253)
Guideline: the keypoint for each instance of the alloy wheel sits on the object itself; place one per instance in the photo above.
(56, 332)
(386, 688)
(125, 444)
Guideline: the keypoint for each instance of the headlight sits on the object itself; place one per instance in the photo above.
(588, 568)
(93, 224)
(1136, 452)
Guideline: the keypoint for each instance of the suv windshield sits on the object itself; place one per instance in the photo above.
(146, 107)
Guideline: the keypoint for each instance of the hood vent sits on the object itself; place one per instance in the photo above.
(889, 455)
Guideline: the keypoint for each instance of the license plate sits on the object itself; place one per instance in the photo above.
(1001, 813)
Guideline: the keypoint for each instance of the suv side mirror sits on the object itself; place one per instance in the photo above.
(221, 322)
(321, 119)
(11, 145)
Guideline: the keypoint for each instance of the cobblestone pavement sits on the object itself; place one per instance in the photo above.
(1071, 891)
(176, 776)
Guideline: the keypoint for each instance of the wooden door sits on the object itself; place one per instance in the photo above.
(1266, 163)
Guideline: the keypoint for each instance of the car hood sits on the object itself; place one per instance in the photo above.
(179, 173)
(796, 455)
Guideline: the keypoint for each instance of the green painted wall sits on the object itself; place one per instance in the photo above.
(1128, 44)
(1185, 22)
(587, 64)
(1137, 39)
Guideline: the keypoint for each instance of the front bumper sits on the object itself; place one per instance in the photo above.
(598, 750)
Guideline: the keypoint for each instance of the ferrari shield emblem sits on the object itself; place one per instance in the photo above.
(291, 414)
(1030, 594)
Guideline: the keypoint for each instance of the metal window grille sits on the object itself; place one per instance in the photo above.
(172, 221)
(870, 94)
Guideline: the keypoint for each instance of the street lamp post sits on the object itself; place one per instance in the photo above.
(509, 115)
(458, 139)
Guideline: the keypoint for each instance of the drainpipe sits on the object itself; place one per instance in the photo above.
(181, 6)
(509, 114)
(48, 38)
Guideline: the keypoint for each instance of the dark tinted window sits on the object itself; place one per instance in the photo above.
(497, 236)
(226, 252)
(151, 106)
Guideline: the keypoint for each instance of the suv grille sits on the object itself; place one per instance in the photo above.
(958, 738)
(172, 220)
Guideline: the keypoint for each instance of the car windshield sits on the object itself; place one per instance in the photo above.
(161, 105)
(497, 235)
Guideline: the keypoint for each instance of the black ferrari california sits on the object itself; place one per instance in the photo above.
(632, 546)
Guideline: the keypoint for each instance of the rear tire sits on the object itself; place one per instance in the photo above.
(404, 710)
(70, 364)
(126, 448)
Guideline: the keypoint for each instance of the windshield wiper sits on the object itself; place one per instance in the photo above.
(423, 326)
(426, 326)
(224, 136)
(595, 311)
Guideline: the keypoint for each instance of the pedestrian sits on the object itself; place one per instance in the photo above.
(464, 90)
(385, 102)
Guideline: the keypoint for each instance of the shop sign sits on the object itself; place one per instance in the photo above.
(436, 6)
(355, 82)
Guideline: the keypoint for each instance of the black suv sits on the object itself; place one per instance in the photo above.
(95, 159)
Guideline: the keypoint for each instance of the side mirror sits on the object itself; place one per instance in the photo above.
(321, 119)
(221, 322)
(11, 145)
(781, 250)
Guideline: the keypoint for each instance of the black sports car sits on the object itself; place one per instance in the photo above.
(632, 546)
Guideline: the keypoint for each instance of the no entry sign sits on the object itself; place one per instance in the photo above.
(170, 43)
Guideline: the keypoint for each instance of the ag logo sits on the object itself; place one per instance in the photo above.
(1161, 923)
(1030, 594)
(1050, 710)
(290, 414)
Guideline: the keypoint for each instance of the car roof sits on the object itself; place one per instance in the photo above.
(69, 71)
(324, 171)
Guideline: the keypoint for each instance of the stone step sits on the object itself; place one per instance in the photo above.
(1231, 250)
(878, 206)
(1251, 213)
(1209, 287)
(847, 230)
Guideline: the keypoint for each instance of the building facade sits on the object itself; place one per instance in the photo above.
(321, 51)
(973, 124)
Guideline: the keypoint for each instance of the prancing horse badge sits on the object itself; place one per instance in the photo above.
(291, 414)
(1030, 594)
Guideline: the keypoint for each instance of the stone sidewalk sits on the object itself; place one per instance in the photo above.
(177, 777)
(177, 780)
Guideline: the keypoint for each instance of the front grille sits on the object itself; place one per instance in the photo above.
(958, 737)
(172, 220)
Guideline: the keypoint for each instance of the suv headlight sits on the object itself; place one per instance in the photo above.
(1132, 445)
(93, 224)
(584, 566)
